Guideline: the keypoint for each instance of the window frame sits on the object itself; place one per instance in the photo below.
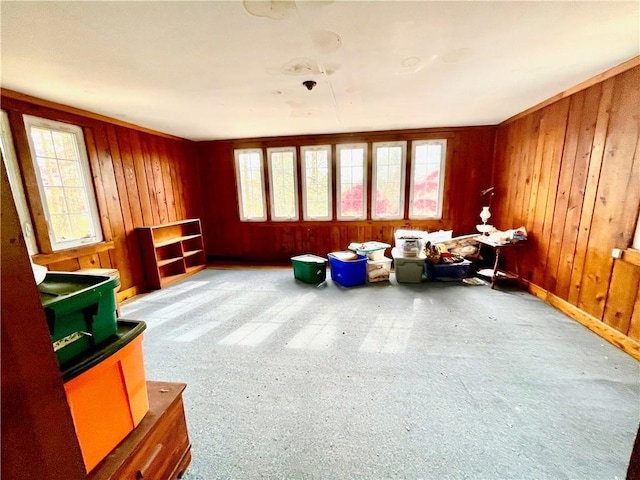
(403, 174)
(365, 152)
(31, 121)
(305, 214)
(236, 153)
(441, 179)
(272, 190)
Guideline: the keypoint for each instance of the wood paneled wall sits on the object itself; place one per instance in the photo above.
(570, 173)
(468, 171)
(140, 179)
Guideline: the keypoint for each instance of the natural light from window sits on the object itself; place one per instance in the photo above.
(316, 182)
(64, 180)
(388, 177)
(250, 181)
(352, 176)
(427, 175)
(282, 178)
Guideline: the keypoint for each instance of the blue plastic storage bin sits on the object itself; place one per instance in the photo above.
(446, 271)
(348, 273)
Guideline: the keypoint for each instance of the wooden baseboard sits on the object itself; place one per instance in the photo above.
(610, 334)
(128, 293)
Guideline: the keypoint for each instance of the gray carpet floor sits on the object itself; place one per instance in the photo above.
(388, 380)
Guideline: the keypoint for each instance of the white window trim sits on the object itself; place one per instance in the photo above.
(31, 121)
(348, 146)
(443, 161)
(15, 183)
(274, 217)
(237, 154)
(374, 186)
(315, 148)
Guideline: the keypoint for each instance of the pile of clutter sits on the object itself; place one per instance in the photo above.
(500, 237)
(445, 257)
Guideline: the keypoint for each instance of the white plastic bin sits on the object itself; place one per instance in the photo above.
(378, 270)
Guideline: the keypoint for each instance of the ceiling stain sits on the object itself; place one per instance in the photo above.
(331, 68)
(410, 62)
(326, 41)
(300, 66)
(299, 110)
(274, 9)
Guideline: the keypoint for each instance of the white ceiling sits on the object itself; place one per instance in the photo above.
(214, 70)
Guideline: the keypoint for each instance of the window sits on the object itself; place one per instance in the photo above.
(427, 179)
(389, 161)
(64, 181)
(316, 182)
(352, 182)
(284, 189)
(250, 181)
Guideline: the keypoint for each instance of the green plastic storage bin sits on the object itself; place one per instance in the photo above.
(80, 311)
(309, 268)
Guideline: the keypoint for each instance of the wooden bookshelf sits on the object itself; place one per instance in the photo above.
(172, 251)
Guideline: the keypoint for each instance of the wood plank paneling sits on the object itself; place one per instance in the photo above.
(140, 178)
(468, 171)
(625, 288)
(583, 200)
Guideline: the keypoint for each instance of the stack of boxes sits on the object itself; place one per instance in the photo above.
(366, 262)
(100, 359)
(408, 255)
(378, 266)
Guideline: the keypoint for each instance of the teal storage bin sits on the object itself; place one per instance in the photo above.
(80, 311)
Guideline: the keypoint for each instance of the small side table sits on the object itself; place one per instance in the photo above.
(498, 248)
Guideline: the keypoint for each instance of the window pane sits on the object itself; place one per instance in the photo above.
(351, 187)
(426, 194)
(389, 183)
(249, 167)
(49, 172)
(317, 175)
(283, 185)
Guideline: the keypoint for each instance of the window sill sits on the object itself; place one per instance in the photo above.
(71, 253)
(632, 256)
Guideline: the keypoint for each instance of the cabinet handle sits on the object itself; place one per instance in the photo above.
(142, 472)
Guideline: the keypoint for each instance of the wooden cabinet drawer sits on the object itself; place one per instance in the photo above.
(159, 448)
(162, 449)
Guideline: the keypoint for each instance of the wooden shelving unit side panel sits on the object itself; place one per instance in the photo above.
(172, 251)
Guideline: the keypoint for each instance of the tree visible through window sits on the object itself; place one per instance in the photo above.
(62, 171)
(282, 178)
(388, 188)
(351, 182)
(426, 179)
(316, 182)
